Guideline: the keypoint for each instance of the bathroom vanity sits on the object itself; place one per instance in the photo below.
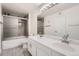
(42, 46)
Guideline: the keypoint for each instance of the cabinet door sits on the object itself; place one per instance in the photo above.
(33, 50)
(43, 50)
(55, 53)
(31, 47)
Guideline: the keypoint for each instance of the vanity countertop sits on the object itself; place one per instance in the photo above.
(54, 44)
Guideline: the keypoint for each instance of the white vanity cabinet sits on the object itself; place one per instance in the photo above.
(38, 49)
(45, 51)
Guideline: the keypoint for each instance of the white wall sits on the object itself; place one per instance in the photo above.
(62, 22)
(32, 23)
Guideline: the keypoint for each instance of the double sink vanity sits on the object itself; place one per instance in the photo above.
(52, 46)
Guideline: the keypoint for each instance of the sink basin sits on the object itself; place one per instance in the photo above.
(63, 46)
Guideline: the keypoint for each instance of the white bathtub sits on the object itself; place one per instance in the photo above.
(14, 42)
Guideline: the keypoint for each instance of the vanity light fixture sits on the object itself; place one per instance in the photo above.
(47, 6)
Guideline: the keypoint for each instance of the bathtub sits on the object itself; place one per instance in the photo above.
(14, 42)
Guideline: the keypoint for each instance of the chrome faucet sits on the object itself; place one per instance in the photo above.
(65, 38)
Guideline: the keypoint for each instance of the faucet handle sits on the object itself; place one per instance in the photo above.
(65, 36)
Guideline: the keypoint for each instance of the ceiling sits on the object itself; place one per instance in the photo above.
(57, 8)
(20, 8)
(25, 8)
